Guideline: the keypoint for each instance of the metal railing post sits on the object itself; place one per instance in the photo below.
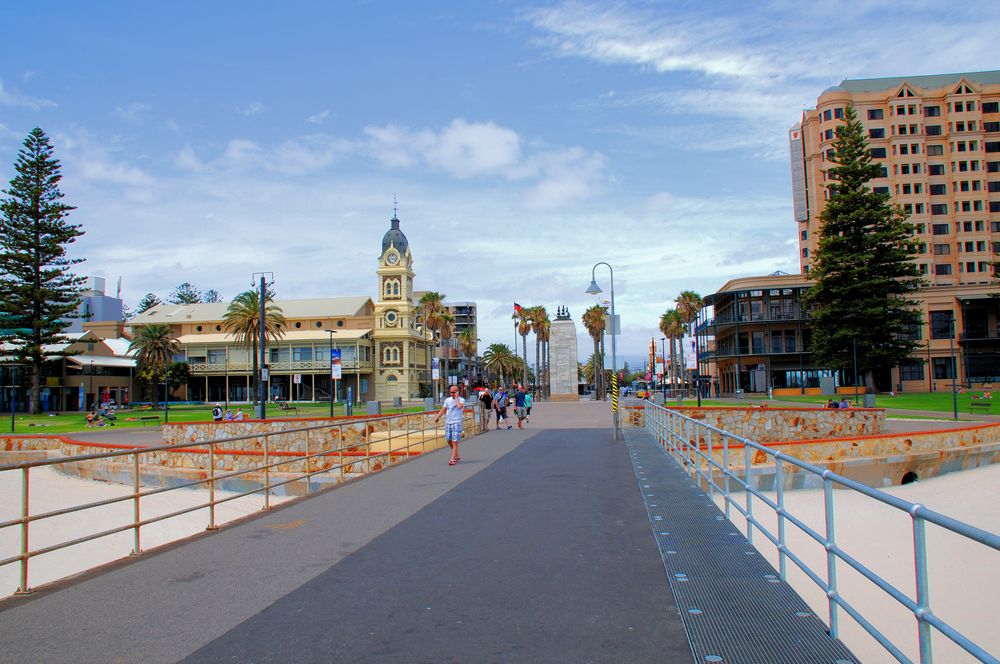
(923, 586)
(211, 488)
(136, 545)
(782, 544)
(831, 558)
(23, 588)
(340, 451)
(725, 469)
(308, 461)
(267, 471)
(749, 493)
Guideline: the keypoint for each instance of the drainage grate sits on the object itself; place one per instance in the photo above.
(734, 607)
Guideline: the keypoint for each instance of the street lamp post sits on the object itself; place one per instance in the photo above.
(594, 289)
(331, 332)
(663, 374)
(954, 372)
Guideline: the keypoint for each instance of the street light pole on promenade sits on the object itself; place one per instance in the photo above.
(331, 332)
(594, 289)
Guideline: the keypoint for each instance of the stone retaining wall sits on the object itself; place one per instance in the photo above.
(779, 424)
(877, 461)
(363, 444)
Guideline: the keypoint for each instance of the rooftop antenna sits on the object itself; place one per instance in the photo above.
(394, 213)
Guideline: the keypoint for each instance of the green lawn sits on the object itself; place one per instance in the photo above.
(72, 422)
(929, 401)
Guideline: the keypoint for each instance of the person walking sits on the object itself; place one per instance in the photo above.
(500, 403)
(452, 410)
(527, 407)
(520, 409)
(486, 400)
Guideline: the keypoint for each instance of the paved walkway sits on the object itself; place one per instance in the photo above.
(536, 548)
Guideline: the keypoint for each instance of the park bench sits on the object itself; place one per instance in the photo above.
(148, 419)
(980, 406)
(284, 406)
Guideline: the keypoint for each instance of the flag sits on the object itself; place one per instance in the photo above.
(517, 307)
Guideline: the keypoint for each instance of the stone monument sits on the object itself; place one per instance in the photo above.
(562, 351)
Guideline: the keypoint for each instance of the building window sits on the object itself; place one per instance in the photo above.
(942, 270)
(878, 153)
(874, 113)
(941, 324)
(933, 130)
(932, 111)
(943, 368)
(876, 133)
(991, 126)
(942, 249)
(939, 208)
(991, 107)
(827, 114)
(938, 189)
(993, 146)
(911, 371)
(935, 150)
(838, 113)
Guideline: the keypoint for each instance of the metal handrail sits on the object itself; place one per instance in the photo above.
(675, 432)
(284, 458)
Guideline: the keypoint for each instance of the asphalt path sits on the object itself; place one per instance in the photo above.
(535, 548)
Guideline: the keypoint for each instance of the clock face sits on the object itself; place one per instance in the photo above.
(392, 259)
(391, 317)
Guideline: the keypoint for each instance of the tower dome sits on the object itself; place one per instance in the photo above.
(395, 237)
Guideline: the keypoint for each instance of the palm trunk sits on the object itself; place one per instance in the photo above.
(597, 369)
(683, 366)
(524, 353)
(538, 367)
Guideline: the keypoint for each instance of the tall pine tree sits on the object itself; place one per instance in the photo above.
(37, 290)
(862, 269)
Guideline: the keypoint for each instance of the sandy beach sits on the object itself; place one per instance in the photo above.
(51, 490)
(964, 576)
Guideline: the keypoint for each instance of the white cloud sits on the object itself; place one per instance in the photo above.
(134, 112)
(464, 150)
(253, 108)
(758, 70)
(319, 118)
(13, 98)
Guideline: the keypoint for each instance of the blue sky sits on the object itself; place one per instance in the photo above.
(524, 142)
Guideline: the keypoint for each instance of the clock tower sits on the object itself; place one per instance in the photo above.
(400, 349)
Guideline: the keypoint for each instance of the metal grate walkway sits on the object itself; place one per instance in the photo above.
(735, 608)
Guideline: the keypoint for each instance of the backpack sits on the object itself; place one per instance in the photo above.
(503, 400)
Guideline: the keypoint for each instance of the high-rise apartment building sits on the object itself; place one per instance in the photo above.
(937, 141)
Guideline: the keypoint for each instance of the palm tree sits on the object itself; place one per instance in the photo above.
(543, 332)
(432, 310)
(446, 331)
(500, 361)
(537, 316)
(593, 320)
(242, 320)
(155, 349)
(523, 318)
(467, 342)
(688, 305)
(672, 327)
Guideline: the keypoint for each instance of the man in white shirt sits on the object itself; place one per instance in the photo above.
(452, 410)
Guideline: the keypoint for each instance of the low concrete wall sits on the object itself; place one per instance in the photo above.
(878, 461)
(356, 439)
(779, 424)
